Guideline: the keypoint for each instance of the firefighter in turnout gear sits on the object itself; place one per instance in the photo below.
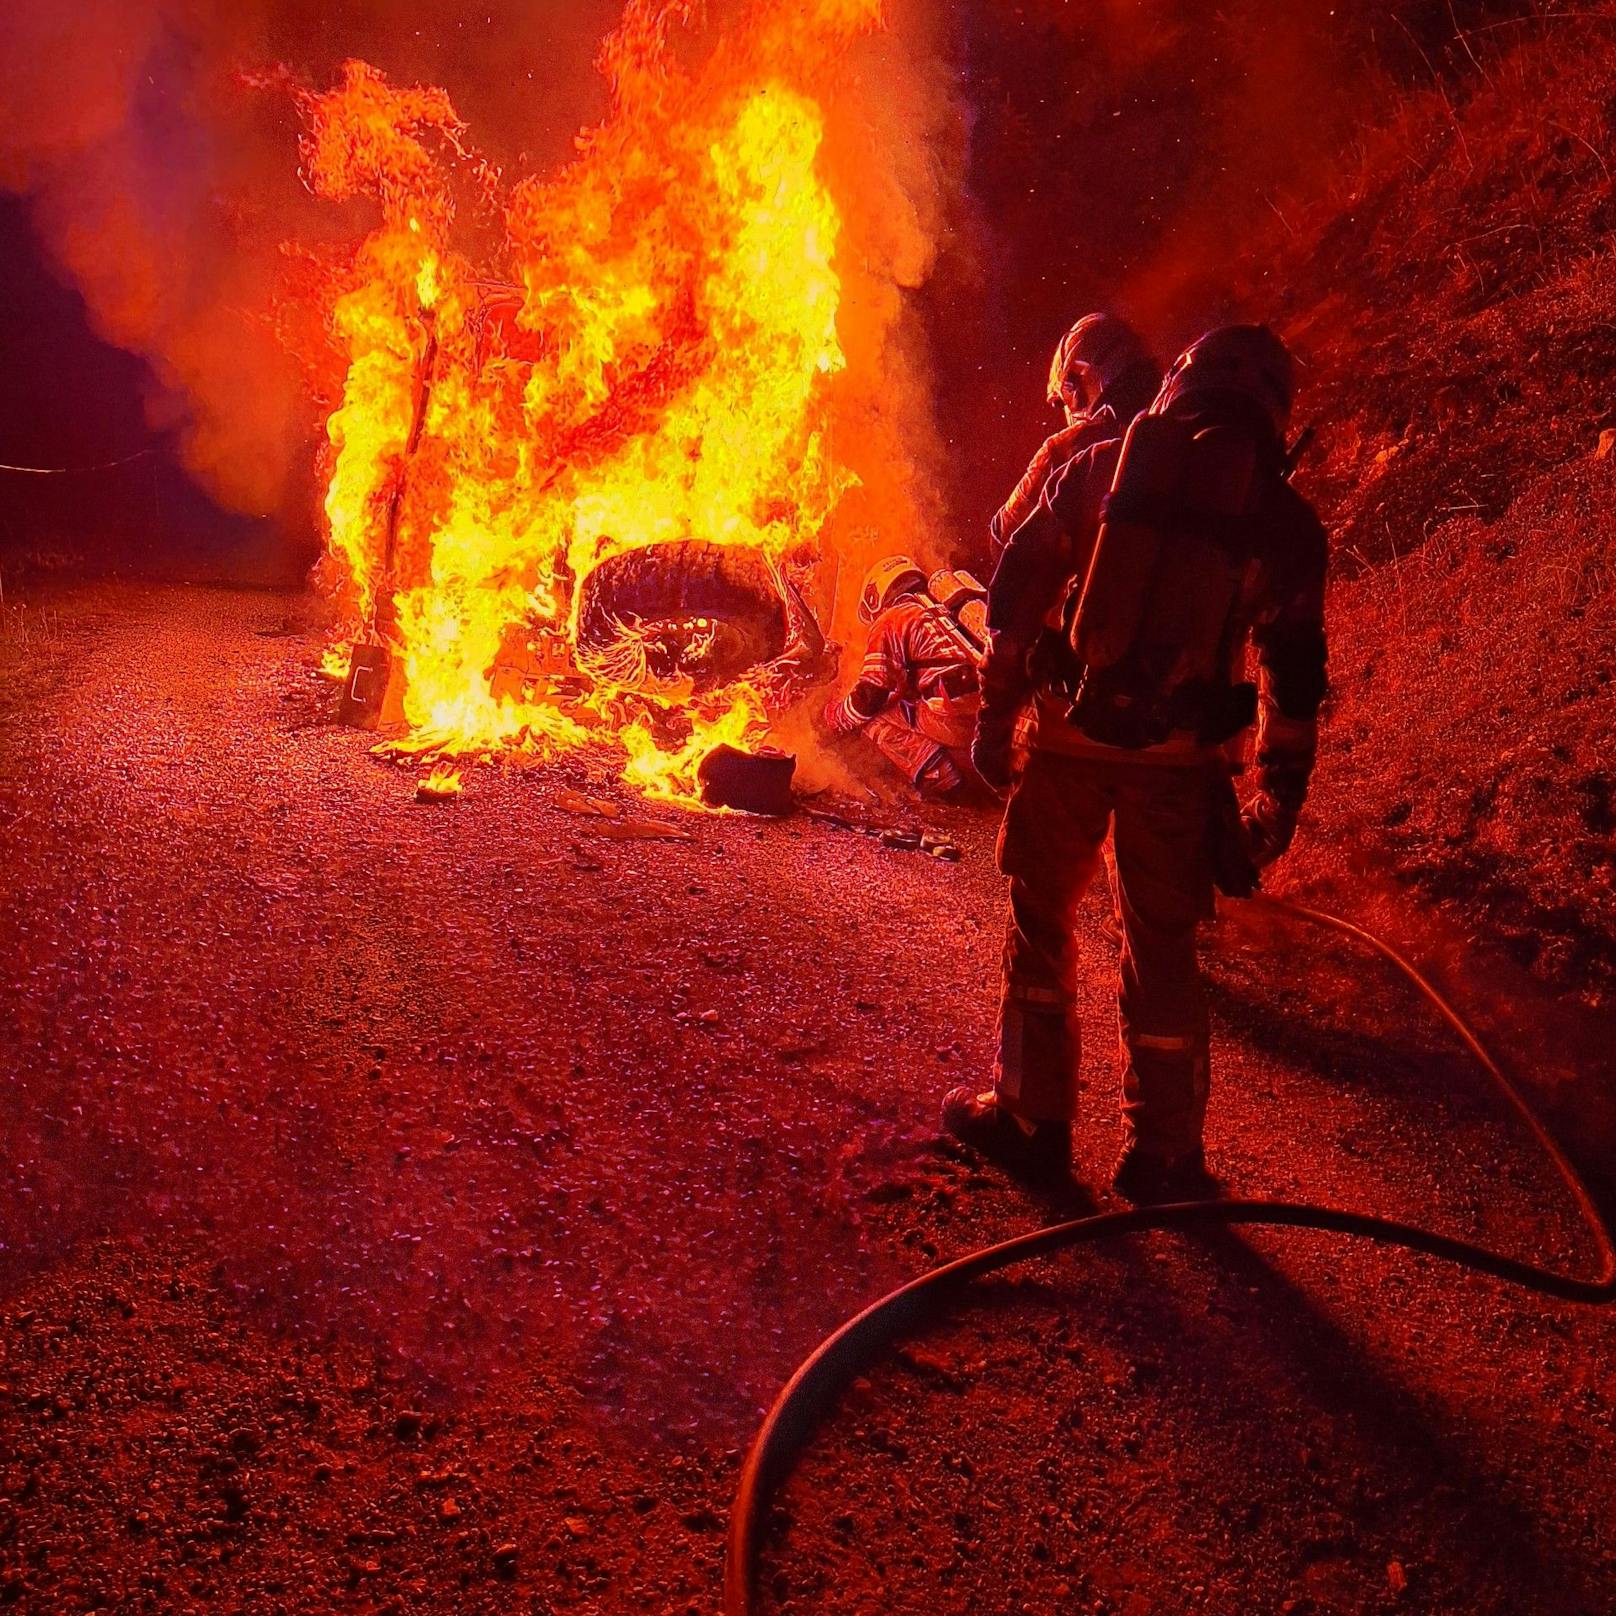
(1166, 557)
(917, 693)
(1101, 377)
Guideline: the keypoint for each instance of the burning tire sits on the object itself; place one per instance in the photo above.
(709, 613)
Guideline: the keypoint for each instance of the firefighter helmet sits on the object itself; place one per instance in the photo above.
(1099, 349)
(884, 582)
(1250, 360)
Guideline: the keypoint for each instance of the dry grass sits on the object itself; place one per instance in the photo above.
(30, 632)
(1452, 290)
(1449, 285)
(34, 641)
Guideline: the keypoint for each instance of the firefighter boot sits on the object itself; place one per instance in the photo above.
(1148, 1180)
(940, 780)
(1036, 1150)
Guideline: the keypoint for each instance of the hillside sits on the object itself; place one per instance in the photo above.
(1450, 291)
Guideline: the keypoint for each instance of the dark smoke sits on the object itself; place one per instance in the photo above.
(163, 183)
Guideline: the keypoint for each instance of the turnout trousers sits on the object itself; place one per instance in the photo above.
(1055, 826)
(920, 749)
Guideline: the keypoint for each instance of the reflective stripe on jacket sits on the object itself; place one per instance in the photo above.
(916, 654)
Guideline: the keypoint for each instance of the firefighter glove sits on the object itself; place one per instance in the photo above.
(1269, 827)
(993, 752)
(837, 719)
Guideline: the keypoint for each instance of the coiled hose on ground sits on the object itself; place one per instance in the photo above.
(839, 1358)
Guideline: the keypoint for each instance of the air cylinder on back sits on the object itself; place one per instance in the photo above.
(1128, 549)
(1152, 623)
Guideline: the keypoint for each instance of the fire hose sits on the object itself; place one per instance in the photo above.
(809, 1393)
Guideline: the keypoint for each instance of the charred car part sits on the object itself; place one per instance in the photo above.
(371, 696)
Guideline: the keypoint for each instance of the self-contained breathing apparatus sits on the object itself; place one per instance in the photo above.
(943, 651)
(1148, 646)
(1149, 625)
(965, 599)
(956, 605)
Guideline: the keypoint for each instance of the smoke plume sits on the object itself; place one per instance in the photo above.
(1001, 170)
(162, 175)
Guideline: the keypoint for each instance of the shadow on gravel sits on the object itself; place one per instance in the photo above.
(1261, 1388)
(1393, 1066)
(1420, 1463)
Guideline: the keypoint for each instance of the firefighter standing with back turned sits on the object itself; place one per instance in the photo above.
(1101, 377)
(1175, 549)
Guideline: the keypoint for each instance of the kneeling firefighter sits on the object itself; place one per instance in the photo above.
(917, 693)
(1101, 377)
(1164, 557)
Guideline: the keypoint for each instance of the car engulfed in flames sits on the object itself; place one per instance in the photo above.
(578, 477)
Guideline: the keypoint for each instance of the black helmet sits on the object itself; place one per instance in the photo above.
(884, 582)
(1250, 360)
(1101, 344)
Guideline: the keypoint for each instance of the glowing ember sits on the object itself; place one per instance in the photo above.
(651, 366)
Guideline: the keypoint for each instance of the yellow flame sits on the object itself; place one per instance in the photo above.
(441, 782)
(428, 281)
(335, 661)
(669, 773)
(664, 379)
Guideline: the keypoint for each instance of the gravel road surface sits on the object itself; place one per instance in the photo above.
(412, 1207)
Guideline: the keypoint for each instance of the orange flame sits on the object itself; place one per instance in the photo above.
(653, 365)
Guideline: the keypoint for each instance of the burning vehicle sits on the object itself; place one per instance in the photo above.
(579, 480)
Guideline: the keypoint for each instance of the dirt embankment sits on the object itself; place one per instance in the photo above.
(1450, 291)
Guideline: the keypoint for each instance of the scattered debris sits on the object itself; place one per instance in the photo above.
(575, 802)
(614, 827)
(898, 838)
(643, 830)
